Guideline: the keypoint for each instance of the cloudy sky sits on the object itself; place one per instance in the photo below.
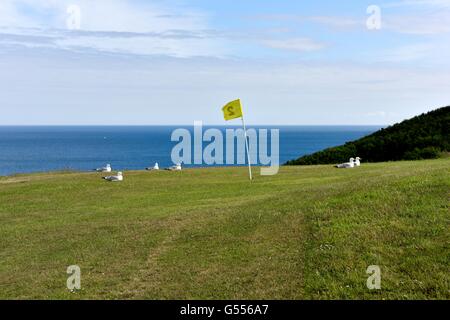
(173, 62)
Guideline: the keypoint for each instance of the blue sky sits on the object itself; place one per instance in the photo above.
(174, 62)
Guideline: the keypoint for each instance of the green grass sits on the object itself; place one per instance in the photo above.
(306, 233)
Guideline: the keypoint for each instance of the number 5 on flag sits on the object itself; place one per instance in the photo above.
(232, 110)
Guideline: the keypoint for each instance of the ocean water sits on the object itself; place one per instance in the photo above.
(25, 149)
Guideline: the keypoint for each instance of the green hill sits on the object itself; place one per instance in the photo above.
(306, 233)
(424, 137)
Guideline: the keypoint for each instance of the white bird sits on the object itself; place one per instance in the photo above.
(350, 164)
(107, 168)
(176, 167)
(155, 167)
(118, 177)
(358, 162)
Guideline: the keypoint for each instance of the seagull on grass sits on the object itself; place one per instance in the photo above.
(155, 167)
(116, 178)
(176, 167)
(107, 168)
(347, 165)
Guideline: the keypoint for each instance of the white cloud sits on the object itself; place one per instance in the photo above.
(381, 114)
(418, 17)
(423, 23)
(295, 44)
(100, 15)
(338, 22)
(415, 3)
(419, 24)
(61, 89)
(145, 46)
(10, 17)
(408, 53)
(109, 25)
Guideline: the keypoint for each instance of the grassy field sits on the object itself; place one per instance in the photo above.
(306, 233)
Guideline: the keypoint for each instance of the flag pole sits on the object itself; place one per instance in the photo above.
(247, 148)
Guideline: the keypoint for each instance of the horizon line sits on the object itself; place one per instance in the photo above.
(204, 124)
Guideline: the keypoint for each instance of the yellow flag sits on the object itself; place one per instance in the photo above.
(232, 110)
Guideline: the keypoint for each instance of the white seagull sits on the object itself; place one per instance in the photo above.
(155, 167)
(358, 162)
(176, 167)
(104, 169)
(118, 177)
(350, 164)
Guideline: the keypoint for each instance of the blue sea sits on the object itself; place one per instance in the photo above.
(26, 149)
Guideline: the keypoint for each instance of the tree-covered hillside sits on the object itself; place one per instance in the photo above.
(423, 137)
